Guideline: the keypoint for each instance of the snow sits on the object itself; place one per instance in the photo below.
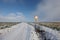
(50, 33)
(22, 31)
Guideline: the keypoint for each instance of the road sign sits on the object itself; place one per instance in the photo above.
(36, 18)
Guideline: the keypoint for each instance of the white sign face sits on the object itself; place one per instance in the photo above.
(36, 18)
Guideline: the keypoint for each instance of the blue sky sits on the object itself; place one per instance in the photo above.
(26, 6)
(25, 10)
(13, 6)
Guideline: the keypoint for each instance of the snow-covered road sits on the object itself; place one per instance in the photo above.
(22, 31)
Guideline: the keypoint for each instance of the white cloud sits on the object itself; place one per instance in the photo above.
(51, 10)
(12, 17)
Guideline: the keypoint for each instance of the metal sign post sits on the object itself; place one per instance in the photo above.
(36, 20)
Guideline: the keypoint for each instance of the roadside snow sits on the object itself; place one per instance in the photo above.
(50, 32)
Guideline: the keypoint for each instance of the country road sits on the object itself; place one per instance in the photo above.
(22, 31)
(25, 31)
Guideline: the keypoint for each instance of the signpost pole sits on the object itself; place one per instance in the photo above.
(36, 20)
